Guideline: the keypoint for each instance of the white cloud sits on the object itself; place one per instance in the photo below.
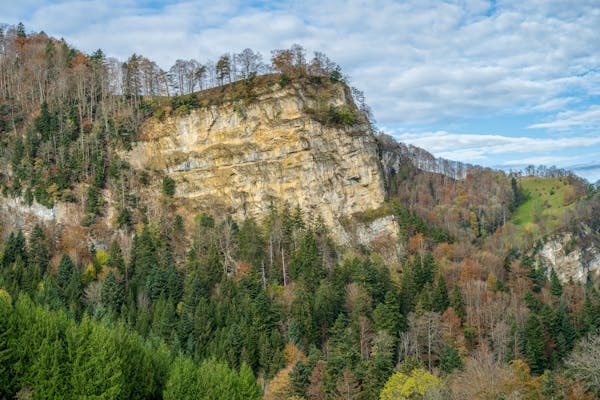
(500, 150)
(589, 118)
(540, 160)
(444, 141)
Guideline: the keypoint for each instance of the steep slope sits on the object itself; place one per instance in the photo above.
(241, 157)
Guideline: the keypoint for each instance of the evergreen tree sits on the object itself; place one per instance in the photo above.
(250, 243)
(457, 303)
(518, 197)
(51, 370)
(168, 186)
(379, 368)
(387, 316)
(73, 291)
(409, 288)
(302, 313)
(182, 383)
(46, 123)
(247, 385)
(97, 369)
(327, 305)
(7, 334)
(299, 379)
(113, 294)
(555, 285)
(115, 258)
(39, 256)
(440, 295)
(307, 262)
(563, 332)
(92, 203)
(425, 299)
(65, 270)
(449, 359)
(294, 335)
(21, 30)
(534, 345)
(15, 248)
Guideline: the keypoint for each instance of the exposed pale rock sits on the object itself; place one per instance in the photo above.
(242, 157)
(570, 263)
(381, 235)
(387, 225)
(17, 214)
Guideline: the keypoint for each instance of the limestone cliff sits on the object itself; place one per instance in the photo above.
(243, 156)
(572, 261)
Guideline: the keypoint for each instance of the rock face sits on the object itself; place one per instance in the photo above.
(382, 235)
(575, 263)
(241, 157)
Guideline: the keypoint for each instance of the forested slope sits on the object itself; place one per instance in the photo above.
(223, 307)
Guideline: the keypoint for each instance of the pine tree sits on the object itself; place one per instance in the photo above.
(449, 359)
(327, 305)
(425, 300)
(250, 243)
(563, 332)
(168, 186)
(21, 30)
(440, 295)
(115, 258)
(247, 386)
(299, 379)
(307, 262)
(379, 369)
(15, 248)
(65, 270)
(39, 256)
(182, 383)
(534, 345)
(7, 334)
(556, 288)
(113, 294)
(51, 370)
(387, 316)
(409, 288)
(302, 313)
(457, 303)
(97, 367)
(73, 291)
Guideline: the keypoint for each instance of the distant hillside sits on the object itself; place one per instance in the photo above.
(547, 199)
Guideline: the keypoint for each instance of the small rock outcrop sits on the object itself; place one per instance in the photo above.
(571, 262)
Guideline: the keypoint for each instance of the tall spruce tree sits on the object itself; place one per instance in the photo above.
(440, 295)
(534, 347)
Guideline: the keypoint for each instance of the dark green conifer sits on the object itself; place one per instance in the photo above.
(457, 303)
(555, 286)
(534, 347)
(440, 295)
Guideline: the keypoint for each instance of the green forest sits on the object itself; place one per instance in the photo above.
(272, 308)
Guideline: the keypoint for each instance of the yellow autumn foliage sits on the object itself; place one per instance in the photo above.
(5, 295)
(101, 257)
(292, 354)
(402, 386)
(280, 386)
(89, 273)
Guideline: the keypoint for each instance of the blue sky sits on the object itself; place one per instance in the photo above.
(497, 83)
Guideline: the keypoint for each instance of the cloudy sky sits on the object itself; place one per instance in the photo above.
(497, 83)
